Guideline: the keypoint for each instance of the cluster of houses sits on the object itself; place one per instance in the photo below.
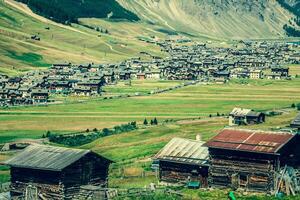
(254, 60)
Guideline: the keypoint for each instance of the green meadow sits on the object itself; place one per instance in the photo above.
(181, 112)
(185, 103)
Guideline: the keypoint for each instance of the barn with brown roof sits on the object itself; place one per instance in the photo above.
(47, 172)
(251, 159)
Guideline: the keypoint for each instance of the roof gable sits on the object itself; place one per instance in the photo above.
(45, 157)
(184, 150)
(296, 122)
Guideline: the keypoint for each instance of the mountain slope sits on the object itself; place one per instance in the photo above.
(61, 43)
(67, 11)
(219, 18)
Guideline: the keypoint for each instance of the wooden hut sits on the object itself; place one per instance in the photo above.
(251, 159)
(183, 161)
(47, 172)
(241, 116)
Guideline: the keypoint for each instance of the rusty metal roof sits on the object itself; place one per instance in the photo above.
(184, 151)
(250, 140)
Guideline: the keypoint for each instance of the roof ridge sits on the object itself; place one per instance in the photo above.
(259, 131)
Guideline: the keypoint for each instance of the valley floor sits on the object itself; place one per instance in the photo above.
(181, 113)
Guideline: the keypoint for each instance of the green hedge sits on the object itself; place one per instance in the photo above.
(78, 139)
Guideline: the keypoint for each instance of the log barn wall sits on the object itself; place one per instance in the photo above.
(182, 173)
(251, 159)
(250, 171)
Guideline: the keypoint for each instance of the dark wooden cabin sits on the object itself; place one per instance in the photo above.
(183, 161)
(241, 116)
(251, 159)
(56, 173)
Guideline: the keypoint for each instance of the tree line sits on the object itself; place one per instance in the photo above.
(78, 139)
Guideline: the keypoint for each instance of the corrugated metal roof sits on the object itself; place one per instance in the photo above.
(296, 122)
(250, 140)
(46, 157)
(184, 151)
(240, 112)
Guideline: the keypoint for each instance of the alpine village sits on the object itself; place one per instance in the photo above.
(149, 99)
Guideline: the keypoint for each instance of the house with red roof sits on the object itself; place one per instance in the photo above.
(253, 160)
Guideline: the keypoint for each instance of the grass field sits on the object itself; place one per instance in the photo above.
(187, 102)
(186, 111)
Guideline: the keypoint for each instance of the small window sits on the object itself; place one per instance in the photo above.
(243, 180)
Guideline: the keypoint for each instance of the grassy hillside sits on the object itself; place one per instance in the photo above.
(68, 11)
(233, 19)
(61, 43)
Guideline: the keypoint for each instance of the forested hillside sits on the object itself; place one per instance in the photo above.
(68, 11)
(292, 28)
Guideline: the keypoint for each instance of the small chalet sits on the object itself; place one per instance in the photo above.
(256, 74)
(254, 160)
(39, 95)
(183, 161)
(141, 76)
(47, 172)
(241, 116)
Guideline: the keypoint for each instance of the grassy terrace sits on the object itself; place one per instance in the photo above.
(185, 103)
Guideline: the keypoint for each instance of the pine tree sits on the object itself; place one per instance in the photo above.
(145, 122)
(151, 122)
(293, 106)
(155, 122)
